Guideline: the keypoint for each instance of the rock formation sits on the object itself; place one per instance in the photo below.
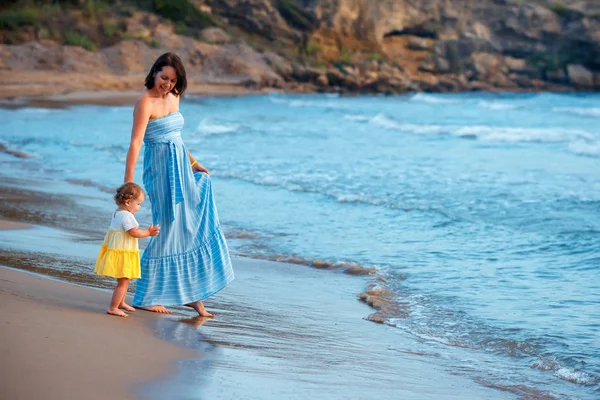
(388, 46)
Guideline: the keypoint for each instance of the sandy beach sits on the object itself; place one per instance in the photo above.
(52, 90)
(57, 342)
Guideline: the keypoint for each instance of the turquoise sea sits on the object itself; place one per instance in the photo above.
(479, 212)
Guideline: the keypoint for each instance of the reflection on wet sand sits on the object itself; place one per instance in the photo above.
(191, 373)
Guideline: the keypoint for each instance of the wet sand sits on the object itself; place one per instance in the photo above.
(56, 341)
(5, 225)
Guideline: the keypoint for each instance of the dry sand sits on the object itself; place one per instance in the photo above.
(50, 89)
(57, 343)
(6, 225)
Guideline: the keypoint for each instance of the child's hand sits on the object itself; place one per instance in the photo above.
(154, 230)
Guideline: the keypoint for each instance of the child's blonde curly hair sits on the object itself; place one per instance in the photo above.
(127, 191)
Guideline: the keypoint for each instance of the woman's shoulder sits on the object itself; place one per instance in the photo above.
(144, 99)
(175, 99)
(144, 105)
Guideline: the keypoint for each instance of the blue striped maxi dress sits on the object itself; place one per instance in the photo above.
(189, 259)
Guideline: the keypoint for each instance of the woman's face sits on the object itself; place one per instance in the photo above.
(165, 79)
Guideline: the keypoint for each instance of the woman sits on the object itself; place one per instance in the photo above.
(189, 260)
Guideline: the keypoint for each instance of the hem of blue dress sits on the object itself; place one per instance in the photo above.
(191, 299)
(198, 294)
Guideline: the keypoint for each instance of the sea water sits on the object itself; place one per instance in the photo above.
(479, 212)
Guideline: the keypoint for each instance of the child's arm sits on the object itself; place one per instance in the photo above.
(153, 230)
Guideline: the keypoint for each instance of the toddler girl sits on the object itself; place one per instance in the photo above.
(119, 255)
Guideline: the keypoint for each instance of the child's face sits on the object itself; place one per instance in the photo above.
(134, 205)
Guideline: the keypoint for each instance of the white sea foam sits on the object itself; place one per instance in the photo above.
(433, 99)
(309, 103)
(580, 111)
(386, 122)
(486, 133)
(567, 374)
(362, 118)
(585, 148)
(208, 127)
(494, 105)
(574, 376)
(509, 134)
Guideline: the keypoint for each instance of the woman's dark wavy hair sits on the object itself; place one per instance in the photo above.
(168, 60)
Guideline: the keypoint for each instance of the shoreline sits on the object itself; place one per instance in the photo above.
(267, 341)
(43, 90)
(118, 97)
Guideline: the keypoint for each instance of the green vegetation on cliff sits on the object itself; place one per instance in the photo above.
(93, 24)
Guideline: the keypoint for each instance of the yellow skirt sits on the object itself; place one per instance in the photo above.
(119, 256)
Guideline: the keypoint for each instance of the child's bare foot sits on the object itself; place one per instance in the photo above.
(116, 312)
(199, 307)
(158, 309)
(126, 307)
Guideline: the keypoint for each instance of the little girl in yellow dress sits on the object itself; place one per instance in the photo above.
(120, 255)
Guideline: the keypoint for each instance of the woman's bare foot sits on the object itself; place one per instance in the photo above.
(199, 307)
(126, 307)
(117, 313)
(158, 309)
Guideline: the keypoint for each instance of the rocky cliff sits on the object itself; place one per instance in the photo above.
(387, 46)
(500, 43)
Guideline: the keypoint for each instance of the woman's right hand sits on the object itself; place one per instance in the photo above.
(199, 168)
(153, 230)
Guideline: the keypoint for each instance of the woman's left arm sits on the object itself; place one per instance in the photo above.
(196, 166)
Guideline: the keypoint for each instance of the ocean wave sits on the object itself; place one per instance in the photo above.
(480, 132)
(290, 184)
(510, 134)
(37, 110)
(585, 148)
(433, 99)
(467, 333)
(593, 112)
(208, 128)
(427, 319)
(567, 374)
(308, 103)
(357, 117)
(574, 376)
(496, 106)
